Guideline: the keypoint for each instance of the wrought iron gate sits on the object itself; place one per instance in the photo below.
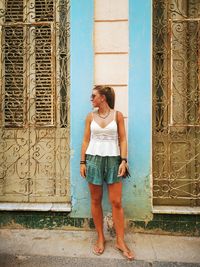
(34, 80)
(176, 102)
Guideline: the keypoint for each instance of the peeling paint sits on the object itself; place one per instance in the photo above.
(173, 224)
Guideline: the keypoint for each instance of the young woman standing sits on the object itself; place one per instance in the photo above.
(104, 158)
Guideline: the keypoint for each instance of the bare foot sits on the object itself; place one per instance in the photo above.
(125, 251)
(99, 247)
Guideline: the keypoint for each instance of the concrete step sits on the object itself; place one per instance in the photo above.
(56, 248)
(55, 261)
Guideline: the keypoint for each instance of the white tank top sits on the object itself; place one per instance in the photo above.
(103, 141)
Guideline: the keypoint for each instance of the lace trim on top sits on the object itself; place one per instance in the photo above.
(104, 137)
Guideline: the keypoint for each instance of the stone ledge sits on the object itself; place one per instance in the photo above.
(59, 207)
(176, 210)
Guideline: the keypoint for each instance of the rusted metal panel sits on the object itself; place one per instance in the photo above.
(176, 102)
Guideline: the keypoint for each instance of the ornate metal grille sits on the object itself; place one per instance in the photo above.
(34, 84)
(176, 102)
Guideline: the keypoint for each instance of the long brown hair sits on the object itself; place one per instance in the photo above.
(108, 92)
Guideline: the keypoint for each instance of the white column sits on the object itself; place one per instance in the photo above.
(111, 45)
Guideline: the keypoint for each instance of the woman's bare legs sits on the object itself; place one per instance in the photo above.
(115, 197)
(96, 192)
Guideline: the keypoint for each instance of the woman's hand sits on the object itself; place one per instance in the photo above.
(122, 169)
(83, 170)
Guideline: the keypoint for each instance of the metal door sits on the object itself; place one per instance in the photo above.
(34, 153)
(176, 102)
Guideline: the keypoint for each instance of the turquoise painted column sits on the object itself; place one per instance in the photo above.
(137, 190)
(81, 69)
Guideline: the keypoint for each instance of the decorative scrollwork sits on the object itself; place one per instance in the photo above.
(176, 102)
(34, 67)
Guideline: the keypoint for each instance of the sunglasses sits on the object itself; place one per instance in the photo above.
(93, 96)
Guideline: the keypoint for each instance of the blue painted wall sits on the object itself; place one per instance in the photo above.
(136, 191)
(81, 49)
(137, 198)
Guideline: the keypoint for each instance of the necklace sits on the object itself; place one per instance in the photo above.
(104, 117)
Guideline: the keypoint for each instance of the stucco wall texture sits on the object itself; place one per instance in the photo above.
(111, 47)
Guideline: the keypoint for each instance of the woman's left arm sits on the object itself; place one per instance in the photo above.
(122, 143)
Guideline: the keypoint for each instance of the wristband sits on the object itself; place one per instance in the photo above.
(124, 159)
(82, 162)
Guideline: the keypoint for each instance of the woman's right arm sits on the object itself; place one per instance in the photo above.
(85, 143)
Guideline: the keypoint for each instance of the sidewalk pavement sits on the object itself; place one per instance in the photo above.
(55, 248)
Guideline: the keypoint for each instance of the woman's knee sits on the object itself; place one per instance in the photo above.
(116, 203)
(96, 200)
(96, 194)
